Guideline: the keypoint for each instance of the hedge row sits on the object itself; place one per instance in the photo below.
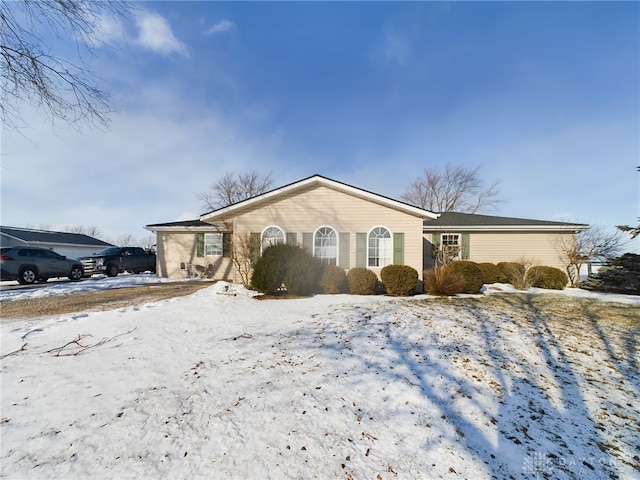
(292, 269)
(468, 277)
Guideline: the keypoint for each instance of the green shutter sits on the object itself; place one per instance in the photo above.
(307, 242)
(200, 244)
(227, 245)
(435, 241)
(254, 247)
(398, 248)
(292, 238)
(343, 257)
(466, 247)
(361, 250)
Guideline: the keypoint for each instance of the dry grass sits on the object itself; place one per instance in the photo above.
(101, 300)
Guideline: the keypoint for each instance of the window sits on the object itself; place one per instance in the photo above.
(380, 248)
(272, 236)
(213, 244)
(325, 245)
(450, 246)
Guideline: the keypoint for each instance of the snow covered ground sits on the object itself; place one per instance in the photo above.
(225, 386)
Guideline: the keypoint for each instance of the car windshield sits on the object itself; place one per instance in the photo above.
(108, 251)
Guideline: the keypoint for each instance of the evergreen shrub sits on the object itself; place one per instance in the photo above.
(547, 277)
(443, 281)
(333, 280)
(268, 271)
(302, 273)
(471, 274)
(490, 272)
(283, 265)
(401, 280)
(621, 275)
(362, 281)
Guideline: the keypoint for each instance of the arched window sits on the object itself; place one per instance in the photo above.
(380, 248)
(272, 236)
(325, 245)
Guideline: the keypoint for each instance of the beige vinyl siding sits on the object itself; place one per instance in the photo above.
(176, 250)
(536, 247)
(305, 212)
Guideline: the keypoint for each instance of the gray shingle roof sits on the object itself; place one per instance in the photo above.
(472, 220)
(44, 236)
(183, 224)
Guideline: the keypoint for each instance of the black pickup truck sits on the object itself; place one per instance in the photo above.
(114, 260)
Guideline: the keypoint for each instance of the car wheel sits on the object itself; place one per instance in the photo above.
(76, 274)
(27, 276)
(112, 270)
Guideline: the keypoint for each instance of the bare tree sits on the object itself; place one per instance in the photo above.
(244, 256)
(595, 243)
(148, 242)
(33, 73)
(125, 240)
(232, 189)
(92, 231)
(452, 189)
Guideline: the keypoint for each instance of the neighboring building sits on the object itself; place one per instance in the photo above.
(72, 245)
(349, 227)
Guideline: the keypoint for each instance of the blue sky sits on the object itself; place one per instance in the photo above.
(544, 95)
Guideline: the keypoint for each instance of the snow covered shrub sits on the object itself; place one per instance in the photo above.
(490, 272)
(333, 280)
(443, 281)
(362, 281)
(400, 280)
(547, 277)
(622, 275)
(471, 274)
(514, 273)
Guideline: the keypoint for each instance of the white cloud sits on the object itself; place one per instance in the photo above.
(109, 28)
(155, 34)
(220, 27)
(393, 47)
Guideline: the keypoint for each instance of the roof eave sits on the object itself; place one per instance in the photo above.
(510, 228)
(203, 228)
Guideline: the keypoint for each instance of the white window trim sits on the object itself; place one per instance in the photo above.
(390, 240)
(337, 241)
(206, 254)
(284, 236)
(458, 254)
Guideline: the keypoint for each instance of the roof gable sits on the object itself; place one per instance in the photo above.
(310, 183)
(32, 236)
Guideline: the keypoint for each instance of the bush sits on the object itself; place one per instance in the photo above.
(268, 272)
(443, 281)
(399, 280)
(362, 281)
(302, 273)
(514, 273)
(333, 280)
(622, 275)
(490, 272)
(547, 277)
(471, 274)
(286, 265)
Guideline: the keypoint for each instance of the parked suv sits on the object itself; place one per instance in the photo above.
(28, 264)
